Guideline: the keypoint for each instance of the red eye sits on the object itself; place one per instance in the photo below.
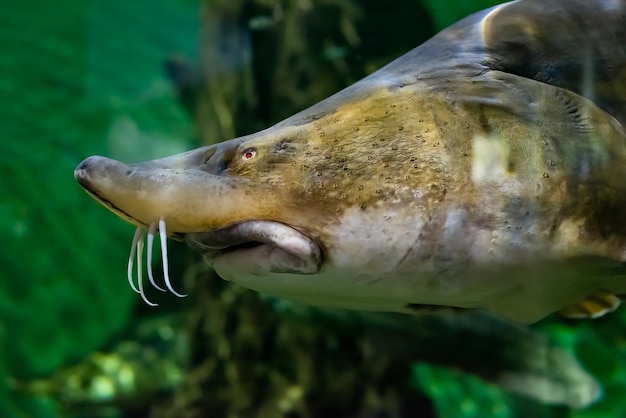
(248, 154)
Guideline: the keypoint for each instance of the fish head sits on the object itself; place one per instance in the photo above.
(311, 196)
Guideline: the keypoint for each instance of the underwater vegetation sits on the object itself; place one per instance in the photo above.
(67, 91)
(143, 79)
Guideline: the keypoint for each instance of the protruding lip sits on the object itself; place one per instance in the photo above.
(307, 254)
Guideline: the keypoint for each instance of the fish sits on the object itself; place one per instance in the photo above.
(483, 170)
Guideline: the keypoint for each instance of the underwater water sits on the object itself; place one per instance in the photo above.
(145, 79)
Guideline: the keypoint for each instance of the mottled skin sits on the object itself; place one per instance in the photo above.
(469, 173)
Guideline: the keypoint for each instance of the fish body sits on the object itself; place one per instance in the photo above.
(485, 169)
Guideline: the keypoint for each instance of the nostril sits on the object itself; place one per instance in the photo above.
(81, 172)
(89, 167)
(83, 165)
(207, 156)
(221, 166)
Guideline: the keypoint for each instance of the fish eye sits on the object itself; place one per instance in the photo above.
(248, 154)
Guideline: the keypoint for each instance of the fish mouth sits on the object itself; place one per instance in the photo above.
(265, 246)
(217, 215)
(257, 248)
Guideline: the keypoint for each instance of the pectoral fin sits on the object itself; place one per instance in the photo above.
(592, 307)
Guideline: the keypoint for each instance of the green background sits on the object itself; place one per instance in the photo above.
(79, 78)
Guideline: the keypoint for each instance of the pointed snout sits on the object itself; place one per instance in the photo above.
(96, 168)
(185, 190)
